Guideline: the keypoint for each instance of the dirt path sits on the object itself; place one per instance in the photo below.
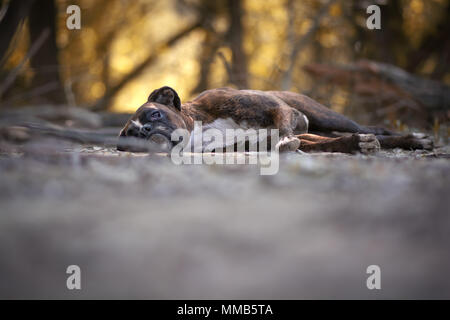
(139, 226)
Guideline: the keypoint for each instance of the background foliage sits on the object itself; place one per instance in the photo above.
(125, 49)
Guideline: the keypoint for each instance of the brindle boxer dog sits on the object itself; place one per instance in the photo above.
(303, 123)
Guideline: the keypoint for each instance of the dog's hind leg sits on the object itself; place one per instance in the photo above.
(287, 120)
(409, 142)
(364, 143)
(325, 120)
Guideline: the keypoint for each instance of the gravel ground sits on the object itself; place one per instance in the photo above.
(139, 226)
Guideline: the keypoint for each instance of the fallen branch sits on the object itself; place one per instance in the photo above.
(28, 130)
(385, 82)
(77, 116)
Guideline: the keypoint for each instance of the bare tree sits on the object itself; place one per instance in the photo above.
(44, 58)
(16, 12)
(235, 38)
(300, 43)
(46, 61)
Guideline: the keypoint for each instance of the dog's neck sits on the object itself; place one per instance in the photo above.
(190, 114)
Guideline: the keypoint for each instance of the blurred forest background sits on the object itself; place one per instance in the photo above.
(141, 227)
(321, 48)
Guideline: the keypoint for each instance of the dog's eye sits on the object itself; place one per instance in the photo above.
(155, 115)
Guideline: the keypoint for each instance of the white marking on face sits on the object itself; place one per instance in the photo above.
(137, 123)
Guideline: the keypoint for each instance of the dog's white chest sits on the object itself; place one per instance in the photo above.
(221, 128)
(223, 124)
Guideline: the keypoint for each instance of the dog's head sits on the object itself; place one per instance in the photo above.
(154, 121)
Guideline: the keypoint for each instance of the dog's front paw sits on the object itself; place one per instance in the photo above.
(288, 144)
(368, 143)
(420, 141)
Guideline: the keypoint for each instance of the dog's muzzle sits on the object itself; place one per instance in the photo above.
(158, 139)
(161, 140)
(156, 135)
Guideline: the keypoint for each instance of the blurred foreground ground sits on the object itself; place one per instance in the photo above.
(140, 227)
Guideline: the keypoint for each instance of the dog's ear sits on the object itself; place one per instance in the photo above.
(166, 96)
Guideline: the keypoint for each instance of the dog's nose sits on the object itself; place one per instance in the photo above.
(146, 128)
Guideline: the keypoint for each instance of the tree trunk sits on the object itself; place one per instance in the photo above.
(16, 12)
(209, 49)
(436, 43)
(45, 61)
(300, 43)
(385, 44)
(235, 35)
